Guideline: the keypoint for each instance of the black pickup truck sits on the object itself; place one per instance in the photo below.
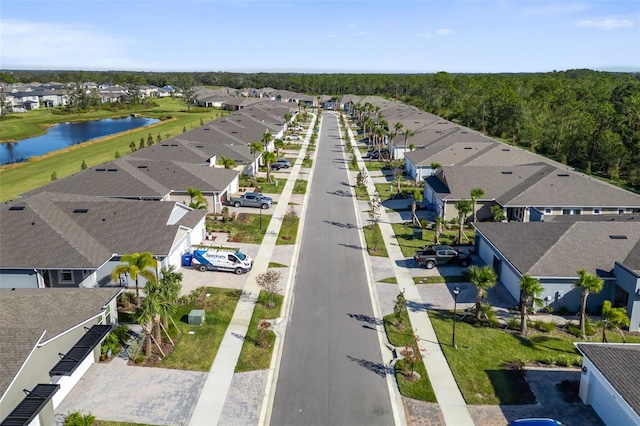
(438, 255)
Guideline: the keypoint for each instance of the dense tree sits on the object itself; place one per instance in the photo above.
(136, 265)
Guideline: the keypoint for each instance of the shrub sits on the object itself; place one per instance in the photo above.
(76, 418)
(563, 361)
(122, 332)
(548, 327)
(139, 359)
(549, 360)
(538, 325)
(576, 361)
(513, 323)
(518, 364)
(110, 343)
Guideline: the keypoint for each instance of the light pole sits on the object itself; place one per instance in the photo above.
(456, 292)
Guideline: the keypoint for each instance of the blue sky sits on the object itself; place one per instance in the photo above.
(320, 36)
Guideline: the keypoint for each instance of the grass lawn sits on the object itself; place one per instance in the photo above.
(409, 244)
(375, 242)
(374, 165)
(300, 186)
(361, 194)
(197, 351)
(417, 389)
(307, 162)
(440, 279)
(390, 280)
(480, 362)
(18, 178)
(252, 356)
(245, 228)
(277, 265)
(289, 229)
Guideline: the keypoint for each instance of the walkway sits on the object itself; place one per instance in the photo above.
(452, 405)
(216, 388)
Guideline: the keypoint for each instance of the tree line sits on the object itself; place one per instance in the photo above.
(586, 119)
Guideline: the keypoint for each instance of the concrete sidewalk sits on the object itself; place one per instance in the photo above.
(452, 405)
(216, 388)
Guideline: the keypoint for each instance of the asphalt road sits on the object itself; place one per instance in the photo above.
(331, 370)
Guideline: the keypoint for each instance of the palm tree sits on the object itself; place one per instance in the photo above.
(475, 194)
(227, 162)
(407, 134)
(530, 290)
(613, 317)
(498, 213)
(256, 148)
(588, 283)
(278, 144)
(438, 230)
(197, 200)
(483, 278)
(464, 208)
(266, 140)
(170, 284)
(147, 313)
(136, 265)
(269, 158)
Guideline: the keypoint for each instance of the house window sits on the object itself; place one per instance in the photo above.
(547, 210)
(621, 211)
(85, 273)
(566, 211)
(577, 211)
(65, 276)
(596, 211)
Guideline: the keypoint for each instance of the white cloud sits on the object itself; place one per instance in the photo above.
(352, 25)
(607, 24)
(331, 36)
(444, 31)
(361, 33)
(425, 35)
(73, 45)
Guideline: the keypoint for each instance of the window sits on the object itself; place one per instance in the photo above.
(566, 211)
(85, 273)
(547, 210)
(65, 276)
(577, 211)
(621, 211)
(596, 211)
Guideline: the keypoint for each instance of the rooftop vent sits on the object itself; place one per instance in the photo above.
(507, 173)
(618, 237)
(563, 174)
(174, 144)
(199, 146)
(81, 210)
(467, 147)
(100, 170)
(143, 167)
(16, 208)
(506, 149)
(112, 170)
(464, 132)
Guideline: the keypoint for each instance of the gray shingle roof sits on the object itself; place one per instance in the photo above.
(32, 316)
(618, 363)
(560, 248)
(48, 234)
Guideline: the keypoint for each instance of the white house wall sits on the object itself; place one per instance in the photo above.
(68, 382)
(606, 401)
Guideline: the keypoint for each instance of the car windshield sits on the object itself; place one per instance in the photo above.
(240, 255)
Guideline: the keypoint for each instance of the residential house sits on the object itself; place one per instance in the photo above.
(610, 381)
(50, 338)
(553, 252)
(61, 240)
(139, 178)
(525, 192)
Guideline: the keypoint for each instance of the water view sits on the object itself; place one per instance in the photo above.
(67, 134)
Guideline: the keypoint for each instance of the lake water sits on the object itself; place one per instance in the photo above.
(67, 134)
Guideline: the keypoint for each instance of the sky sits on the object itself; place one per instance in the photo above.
(320, 36)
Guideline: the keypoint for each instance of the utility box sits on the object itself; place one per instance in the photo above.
(196, 317)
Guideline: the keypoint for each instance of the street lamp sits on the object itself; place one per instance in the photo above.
(456, 292)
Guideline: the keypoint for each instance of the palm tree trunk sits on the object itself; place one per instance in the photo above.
(583, 314)
(156, 329)
(137, 293)
(479, 306)
(523, 317)
(147, 340)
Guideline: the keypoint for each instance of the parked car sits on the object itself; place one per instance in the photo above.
(438, 255)
(535, 422)
(375, 155)
(252, 199)
(283, 163)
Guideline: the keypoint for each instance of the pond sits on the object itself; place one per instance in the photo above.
(68, 134)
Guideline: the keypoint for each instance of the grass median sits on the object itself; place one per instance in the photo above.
(400, 334)
(257, 350)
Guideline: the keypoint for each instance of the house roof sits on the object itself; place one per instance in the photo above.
(29, 317)
(59, 231)
(618, 364)
(540, 249)
(534, 185)
(132, 177)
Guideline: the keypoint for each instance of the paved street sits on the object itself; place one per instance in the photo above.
(331, 370)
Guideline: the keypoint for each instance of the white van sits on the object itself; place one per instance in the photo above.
(222, 260)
